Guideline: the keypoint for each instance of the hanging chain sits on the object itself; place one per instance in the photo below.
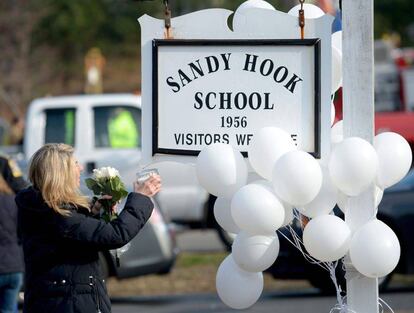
(167, 19)
(302, 19)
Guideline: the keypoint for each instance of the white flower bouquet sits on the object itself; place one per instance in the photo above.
(107, 181)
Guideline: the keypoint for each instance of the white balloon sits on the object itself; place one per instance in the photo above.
(240, 15)
(255, 4)
(221, 170)
(337, 40)
(255, 253)
(288, 208)
(264, 183)
(327, 238)
(325, 200)
(311, 11)
(237, 288)
(379, 193)
(222, 213)
(375, 249)
(395, 157)
(333, 113)
(266, 147)
(253, 176)
(337, 132)
(297, 178)
(336, 69)
(342, 200)
(256, 210)
(288, 214)
(353, 165)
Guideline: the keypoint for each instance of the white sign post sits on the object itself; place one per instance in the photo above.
(358, 86)
(211, 83)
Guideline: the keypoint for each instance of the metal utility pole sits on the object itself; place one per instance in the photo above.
(358, 109)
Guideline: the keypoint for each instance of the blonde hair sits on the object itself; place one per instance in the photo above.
(52, 172)
(4, 187)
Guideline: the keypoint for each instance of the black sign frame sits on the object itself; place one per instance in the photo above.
(156, 43)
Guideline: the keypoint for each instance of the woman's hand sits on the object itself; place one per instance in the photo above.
(96, 207)
(150, 187)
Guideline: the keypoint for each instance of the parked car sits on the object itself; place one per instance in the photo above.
(396, 210)
(152, 251)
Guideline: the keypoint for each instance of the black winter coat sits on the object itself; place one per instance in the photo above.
(11, 254)
(62, 273)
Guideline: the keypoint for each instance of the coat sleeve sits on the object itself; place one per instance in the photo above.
(102, 235)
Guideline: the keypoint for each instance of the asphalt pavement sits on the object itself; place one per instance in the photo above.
(309, 300)
(306, 301)
(199, 241)
(400, 299)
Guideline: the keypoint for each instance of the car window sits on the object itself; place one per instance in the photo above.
(60, 126)
(117, 127)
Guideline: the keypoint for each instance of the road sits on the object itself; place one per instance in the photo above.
(199, 241)
(399, 297)
(307, 301)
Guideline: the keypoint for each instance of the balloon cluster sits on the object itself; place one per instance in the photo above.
(295, 179)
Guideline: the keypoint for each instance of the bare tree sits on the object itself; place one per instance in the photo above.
(17, 21)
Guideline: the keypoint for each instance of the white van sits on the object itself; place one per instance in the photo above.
(88, 122)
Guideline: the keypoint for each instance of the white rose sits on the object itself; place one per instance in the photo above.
(97, 174)
(105, 172)
(112, 172)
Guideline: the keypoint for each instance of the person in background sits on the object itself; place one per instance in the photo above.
(11, 254)
(62, 236)
(16, 131)
(122, 130)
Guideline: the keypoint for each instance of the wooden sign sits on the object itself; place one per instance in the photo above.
(211, 83)
(223, 91)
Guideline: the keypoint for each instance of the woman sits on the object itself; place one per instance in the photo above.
(61, 238)
(11, 261)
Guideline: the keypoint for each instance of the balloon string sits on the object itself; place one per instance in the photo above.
(342, 307)
(382, 303)
(297, 242)
(345, 309)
